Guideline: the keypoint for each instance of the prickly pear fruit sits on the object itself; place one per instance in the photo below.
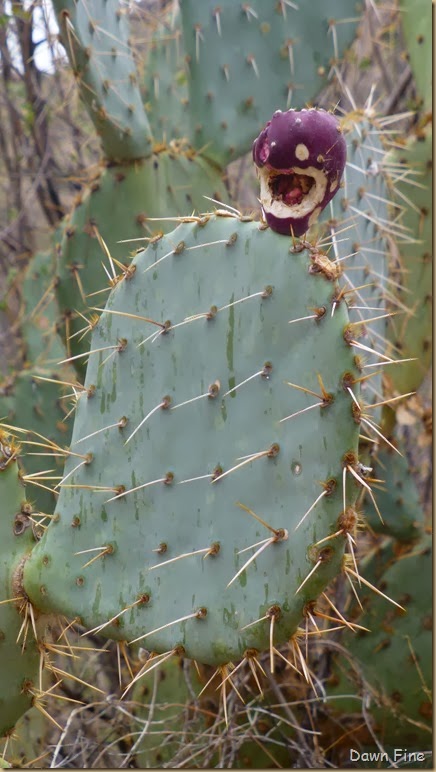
(300, 157)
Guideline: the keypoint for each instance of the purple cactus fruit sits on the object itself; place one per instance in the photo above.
(300, 158)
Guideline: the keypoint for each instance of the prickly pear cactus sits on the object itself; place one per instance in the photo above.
(165, 82)
(357, 228)
(174, 96)
(19, 652)
(245, 60)
(397, 497)
(40, 312)
(304, 175)
(168, 714)
(417, 24)
(392, 664)
(412, 264)
(96, 38)
(26, 747)
(173, 182)
(35, 399)
(173, 728)
(35, 402)
(218, 432)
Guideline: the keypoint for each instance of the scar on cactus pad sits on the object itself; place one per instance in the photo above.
(300, 157)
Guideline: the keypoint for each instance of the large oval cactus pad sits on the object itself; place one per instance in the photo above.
(193, 368)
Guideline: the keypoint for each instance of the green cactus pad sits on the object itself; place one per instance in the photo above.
(220, 293)
(26, 401)
(395, 659)
(38, 407)
(29, 741)
(40, 312)
(19, 664)
(397, 498)
(176, 728)
(357, 224)
(416, 17)
(246, 60)
(175, 719)
(165, 84)
(117, 205)
(95, 34)
(411, 333)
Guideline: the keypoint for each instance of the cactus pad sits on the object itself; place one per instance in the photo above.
(20, 661)
(394, 659)
(96, 38)
(188, 424)
(38, 407)
(412, 270)
(245, 60)
(417, 24)
(170, 183)
(397, 498)
(165, 85)
(172, 708)
(40, 312)
(357, 228)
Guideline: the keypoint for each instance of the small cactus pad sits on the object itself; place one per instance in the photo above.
(393, 662)
(28, 743)
(95, 34)
(215, 390)
(40, 312)
(165, 84)
(412, 264)
(300, 158)
(181, 728)
(245, 60)
(35, 403)
(397, 497)
(176, 720)
(19, 661)
(416, 17)
(356, 226)
(116, 206)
